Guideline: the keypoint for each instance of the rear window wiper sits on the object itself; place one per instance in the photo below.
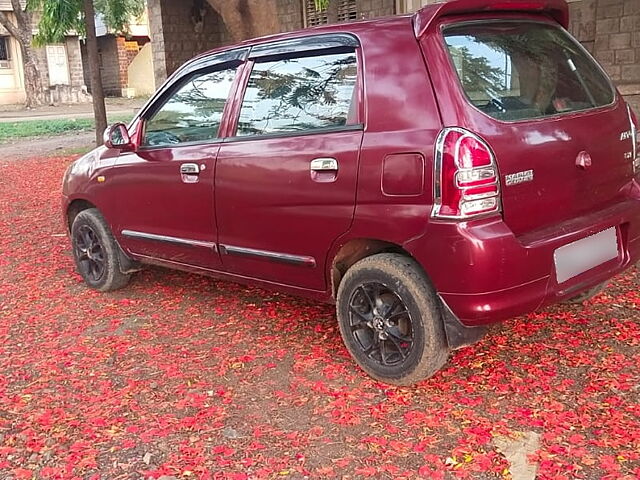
(574, 69)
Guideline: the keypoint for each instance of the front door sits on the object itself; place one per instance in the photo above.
(286, 181)
(164, 190)
(58, 65)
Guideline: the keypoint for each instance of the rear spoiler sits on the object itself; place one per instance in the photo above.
(556, 9)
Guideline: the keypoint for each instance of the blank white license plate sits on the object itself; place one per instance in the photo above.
(582, 255)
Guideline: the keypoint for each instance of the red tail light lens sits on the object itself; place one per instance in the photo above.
(466, 176)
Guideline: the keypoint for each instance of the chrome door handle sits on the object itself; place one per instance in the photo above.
(324, 164)
(189, 169)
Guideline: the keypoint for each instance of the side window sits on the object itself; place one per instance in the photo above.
(299, 94)
(5, 57)
(192, 113)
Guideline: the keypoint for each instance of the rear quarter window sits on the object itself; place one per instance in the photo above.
(524, 70)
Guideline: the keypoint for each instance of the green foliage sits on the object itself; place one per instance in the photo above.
(118, 13)
(321, 4)
(59, 17)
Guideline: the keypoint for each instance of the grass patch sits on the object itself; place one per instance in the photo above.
(48, 127)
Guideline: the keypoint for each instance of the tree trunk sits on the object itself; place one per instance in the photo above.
(99, 108)
(32, 79)
(21, 30)
(247, 18)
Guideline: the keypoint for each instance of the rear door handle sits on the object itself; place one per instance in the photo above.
(325, 164)
(189, 169)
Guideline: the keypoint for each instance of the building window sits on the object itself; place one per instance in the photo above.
(346, 11)
(4, 53)
(313, 16)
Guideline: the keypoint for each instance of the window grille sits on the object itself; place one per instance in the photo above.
(4, 49)
(347, 11)
(312, 16)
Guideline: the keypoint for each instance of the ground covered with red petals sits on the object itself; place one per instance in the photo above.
(187, 377)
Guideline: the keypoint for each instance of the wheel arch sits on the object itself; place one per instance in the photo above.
(355, 250)
(75, 207)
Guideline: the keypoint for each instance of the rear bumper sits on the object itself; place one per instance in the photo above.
(485, 273)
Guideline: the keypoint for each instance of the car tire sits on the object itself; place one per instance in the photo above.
(586, 295)
(390, 319)
(96, 252)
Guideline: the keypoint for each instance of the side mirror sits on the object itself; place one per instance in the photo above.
(117, 136)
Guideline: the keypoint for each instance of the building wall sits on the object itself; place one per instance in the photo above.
(116, 54)
(11, 79)
(109, 66)
(76, 90)
(610, 29)
(375, 8)
(178, 36)
(74, 56)
(290, 15)
(140, 72)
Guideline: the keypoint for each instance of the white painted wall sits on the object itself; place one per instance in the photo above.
(141, 77)
(12, 79)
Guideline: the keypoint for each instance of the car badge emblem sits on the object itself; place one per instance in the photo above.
(583, 160)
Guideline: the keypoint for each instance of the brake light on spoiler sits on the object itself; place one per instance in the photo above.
(424, 18)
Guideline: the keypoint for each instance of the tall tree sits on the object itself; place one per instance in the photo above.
(20, 27)
(97, 89)
(59, 17)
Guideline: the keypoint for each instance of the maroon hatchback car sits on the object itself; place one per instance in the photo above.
(430, 174)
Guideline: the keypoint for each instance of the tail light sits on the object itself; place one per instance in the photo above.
(635, 140)
(466, 176)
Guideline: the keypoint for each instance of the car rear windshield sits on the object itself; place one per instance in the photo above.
(524, 70)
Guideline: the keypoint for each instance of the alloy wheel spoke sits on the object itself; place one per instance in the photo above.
(369, 299)
(383, 351)
(360, 315)
(374, 347)
(395, 333)
(398, 314)
(97, 254)
(86, 237)
(396, 303)
(398, 346)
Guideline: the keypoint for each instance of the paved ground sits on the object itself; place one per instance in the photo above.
(180, 376)
(69, 143)
(115, 107)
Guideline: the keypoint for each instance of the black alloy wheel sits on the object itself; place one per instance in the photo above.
(390, 319)
(380, 323)
(97, 255)
(90, 253)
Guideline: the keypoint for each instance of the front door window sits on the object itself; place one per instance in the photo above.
(193, 113)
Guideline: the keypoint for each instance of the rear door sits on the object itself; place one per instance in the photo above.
(286, 178)
(549, 113)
